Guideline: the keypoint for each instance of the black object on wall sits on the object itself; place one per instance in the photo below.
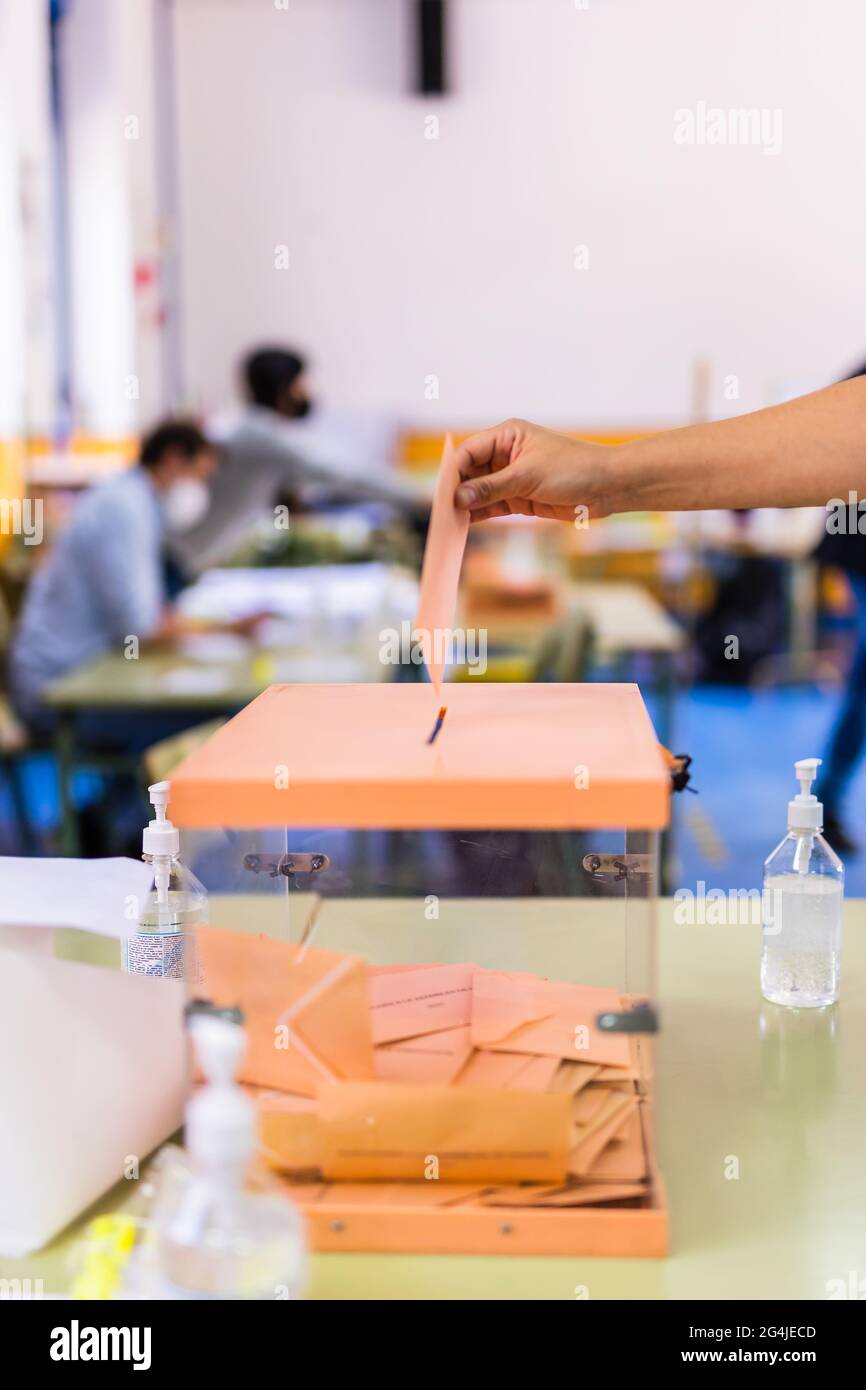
(430, 39)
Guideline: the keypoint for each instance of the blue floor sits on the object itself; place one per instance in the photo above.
(744, 745)
(43, 800)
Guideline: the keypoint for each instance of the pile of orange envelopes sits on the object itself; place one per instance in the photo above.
(496, 1085)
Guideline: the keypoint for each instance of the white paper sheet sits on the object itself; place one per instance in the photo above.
(92, 1074)
(97, 895)
(197, 680)
(345, 591)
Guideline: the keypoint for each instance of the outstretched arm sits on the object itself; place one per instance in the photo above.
(798, 454)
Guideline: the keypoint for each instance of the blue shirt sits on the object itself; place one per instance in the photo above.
(103, 582)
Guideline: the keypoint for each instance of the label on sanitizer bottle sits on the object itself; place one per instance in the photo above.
(162, 954)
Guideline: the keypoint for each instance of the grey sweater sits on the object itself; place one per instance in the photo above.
(260, 457)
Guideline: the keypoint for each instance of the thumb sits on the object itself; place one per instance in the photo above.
(492, 487)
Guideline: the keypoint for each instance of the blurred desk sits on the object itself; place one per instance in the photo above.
(627, 618)
(170, 680)
(623, 619)
(326, 627)
(641, 547)
(637, 532)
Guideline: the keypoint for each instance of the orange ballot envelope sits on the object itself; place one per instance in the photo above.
(442, 1132)
(546, 1017)
(440, 572)
(503, 1001)
(625, 1160)
(592, 1139)
(306, 1011)
(289, 1131)
(509, 1071)
(407, 1003)
(432, 1057)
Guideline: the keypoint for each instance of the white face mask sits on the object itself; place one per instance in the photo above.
(185, 503)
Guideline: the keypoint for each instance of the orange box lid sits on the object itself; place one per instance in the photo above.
(509, 756)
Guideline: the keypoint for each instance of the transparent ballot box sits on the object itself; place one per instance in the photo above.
(444, 952)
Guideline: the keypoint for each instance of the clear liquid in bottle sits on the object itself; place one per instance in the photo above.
(801, 959)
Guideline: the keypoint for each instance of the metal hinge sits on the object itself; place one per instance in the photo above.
(641, 1019)
(286, 865)
(620, 865)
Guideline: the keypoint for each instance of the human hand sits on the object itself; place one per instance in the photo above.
(521, 468)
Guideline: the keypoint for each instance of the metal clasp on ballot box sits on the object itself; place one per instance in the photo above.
(620, 865)
(640, 1019)
(286, 865)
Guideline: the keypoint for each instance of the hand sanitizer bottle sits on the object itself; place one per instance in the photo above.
(802, 907)
(216, 1236)
(162, 940)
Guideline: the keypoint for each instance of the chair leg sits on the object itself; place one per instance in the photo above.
(64, 751)
(14, 769)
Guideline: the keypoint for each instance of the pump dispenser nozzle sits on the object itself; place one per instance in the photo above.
(160, 837)
(807, 770)
(805, 812)
(160, 841)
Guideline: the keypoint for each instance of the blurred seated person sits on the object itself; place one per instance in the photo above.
(265, 456)
(103, 586)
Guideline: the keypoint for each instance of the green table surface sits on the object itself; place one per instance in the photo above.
(169, 680)
(776, 1094)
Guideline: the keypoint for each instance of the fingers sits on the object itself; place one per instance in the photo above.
(488, 450)
(489, 489)
(487, 513)
(485, 463)
(521, 506)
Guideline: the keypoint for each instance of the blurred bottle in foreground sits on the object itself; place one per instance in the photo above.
(216, 1235)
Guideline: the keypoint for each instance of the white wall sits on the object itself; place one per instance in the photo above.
(120, 238)
(27, 326)
(99, 220)
(456, 257)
